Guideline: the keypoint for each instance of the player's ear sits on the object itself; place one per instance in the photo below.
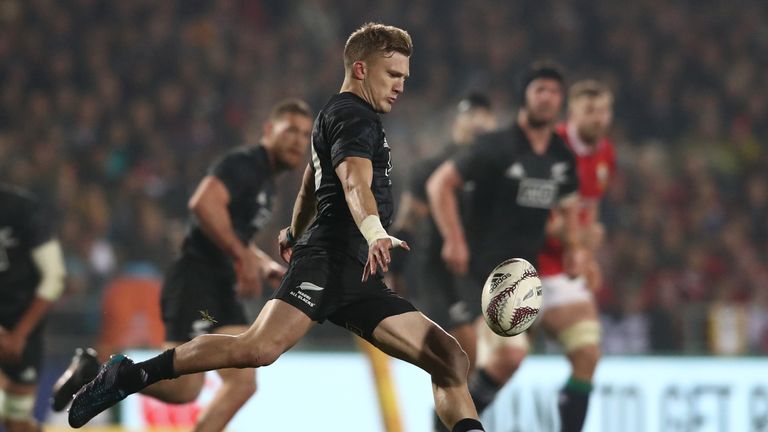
(359, 70)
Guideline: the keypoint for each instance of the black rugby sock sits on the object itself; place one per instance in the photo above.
(468, 425)
(573, 403)
(483, 389)
(143, 374)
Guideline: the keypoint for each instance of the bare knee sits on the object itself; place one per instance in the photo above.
(249, 353)
(584, 361)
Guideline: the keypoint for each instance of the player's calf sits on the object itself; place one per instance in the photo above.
(448, 363)
(581, 343)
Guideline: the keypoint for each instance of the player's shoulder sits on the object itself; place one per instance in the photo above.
(13, 194)
(503, 138)
(559, 146)
(252, 153)
(606, 146)
(348, 106)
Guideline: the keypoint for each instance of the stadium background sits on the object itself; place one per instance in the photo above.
(110, 111)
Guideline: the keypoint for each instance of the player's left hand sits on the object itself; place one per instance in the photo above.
(273, 271)
(379, 257)
(11, 347)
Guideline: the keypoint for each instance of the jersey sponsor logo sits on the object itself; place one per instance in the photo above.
(602, 172)
(309, 286)
(537, 193)
(28, 375)
(516, 171)
(262, 198)
(559, 170)
(459, 312)
(264, 214)
(6, 242)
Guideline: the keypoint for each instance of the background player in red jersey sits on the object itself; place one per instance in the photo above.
(569, 312)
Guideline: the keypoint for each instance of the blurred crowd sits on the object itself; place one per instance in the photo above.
(111, 112)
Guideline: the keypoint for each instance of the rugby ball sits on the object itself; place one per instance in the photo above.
(511, 297)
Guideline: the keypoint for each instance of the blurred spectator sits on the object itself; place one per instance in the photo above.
(111, 110)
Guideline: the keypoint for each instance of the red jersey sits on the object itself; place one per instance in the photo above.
(595, 167)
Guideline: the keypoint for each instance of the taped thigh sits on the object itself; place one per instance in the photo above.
(18, 407)
(581, 334)
(488, 342)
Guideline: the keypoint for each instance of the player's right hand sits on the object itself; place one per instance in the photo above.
(248, 268)
(456, 257)
(286, 250)
(379, 257)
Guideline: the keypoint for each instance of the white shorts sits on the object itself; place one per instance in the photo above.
(561, 290)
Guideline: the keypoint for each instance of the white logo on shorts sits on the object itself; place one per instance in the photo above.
(29, 374)
(309, 286)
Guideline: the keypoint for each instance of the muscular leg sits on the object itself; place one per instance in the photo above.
(497, 360)
(238, 385)
(577, 329)
(278, 327)
(414, 338)
(19, 403)
(466, 336)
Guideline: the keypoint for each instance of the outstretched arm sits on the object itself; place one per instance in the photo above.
(356, 175)
(441, 188)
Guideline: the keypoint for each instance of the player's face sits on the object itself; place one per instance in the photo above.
(385, 80)
(290, 134)
(544, 99)
(591, 116)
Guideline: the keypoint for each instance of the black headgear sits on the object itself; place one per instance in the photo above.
(539, 69)
(474, 100)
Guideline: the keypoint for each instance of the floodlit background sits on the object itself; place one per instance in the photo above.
(111, 111)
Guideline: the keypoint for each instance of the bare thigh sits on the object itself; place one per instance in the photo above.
(414, 338)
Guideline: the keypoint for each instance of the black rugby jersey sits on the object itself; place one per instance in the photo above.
(249, 178)
(24, 225)
(429, 239)
(514, 192)
(346, 127)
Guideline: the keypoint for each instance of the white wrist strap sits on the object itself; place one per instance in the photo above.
(372, 230)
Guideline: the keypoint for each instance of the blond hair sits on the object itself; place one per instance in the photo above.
(589, 88)
(374, 38)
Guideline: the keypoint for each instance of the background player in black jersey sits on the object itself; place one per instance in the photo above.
(433, 287)
(31, 279)
(520, 173)
(474, 115)
(219, 262)
(334, 264)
